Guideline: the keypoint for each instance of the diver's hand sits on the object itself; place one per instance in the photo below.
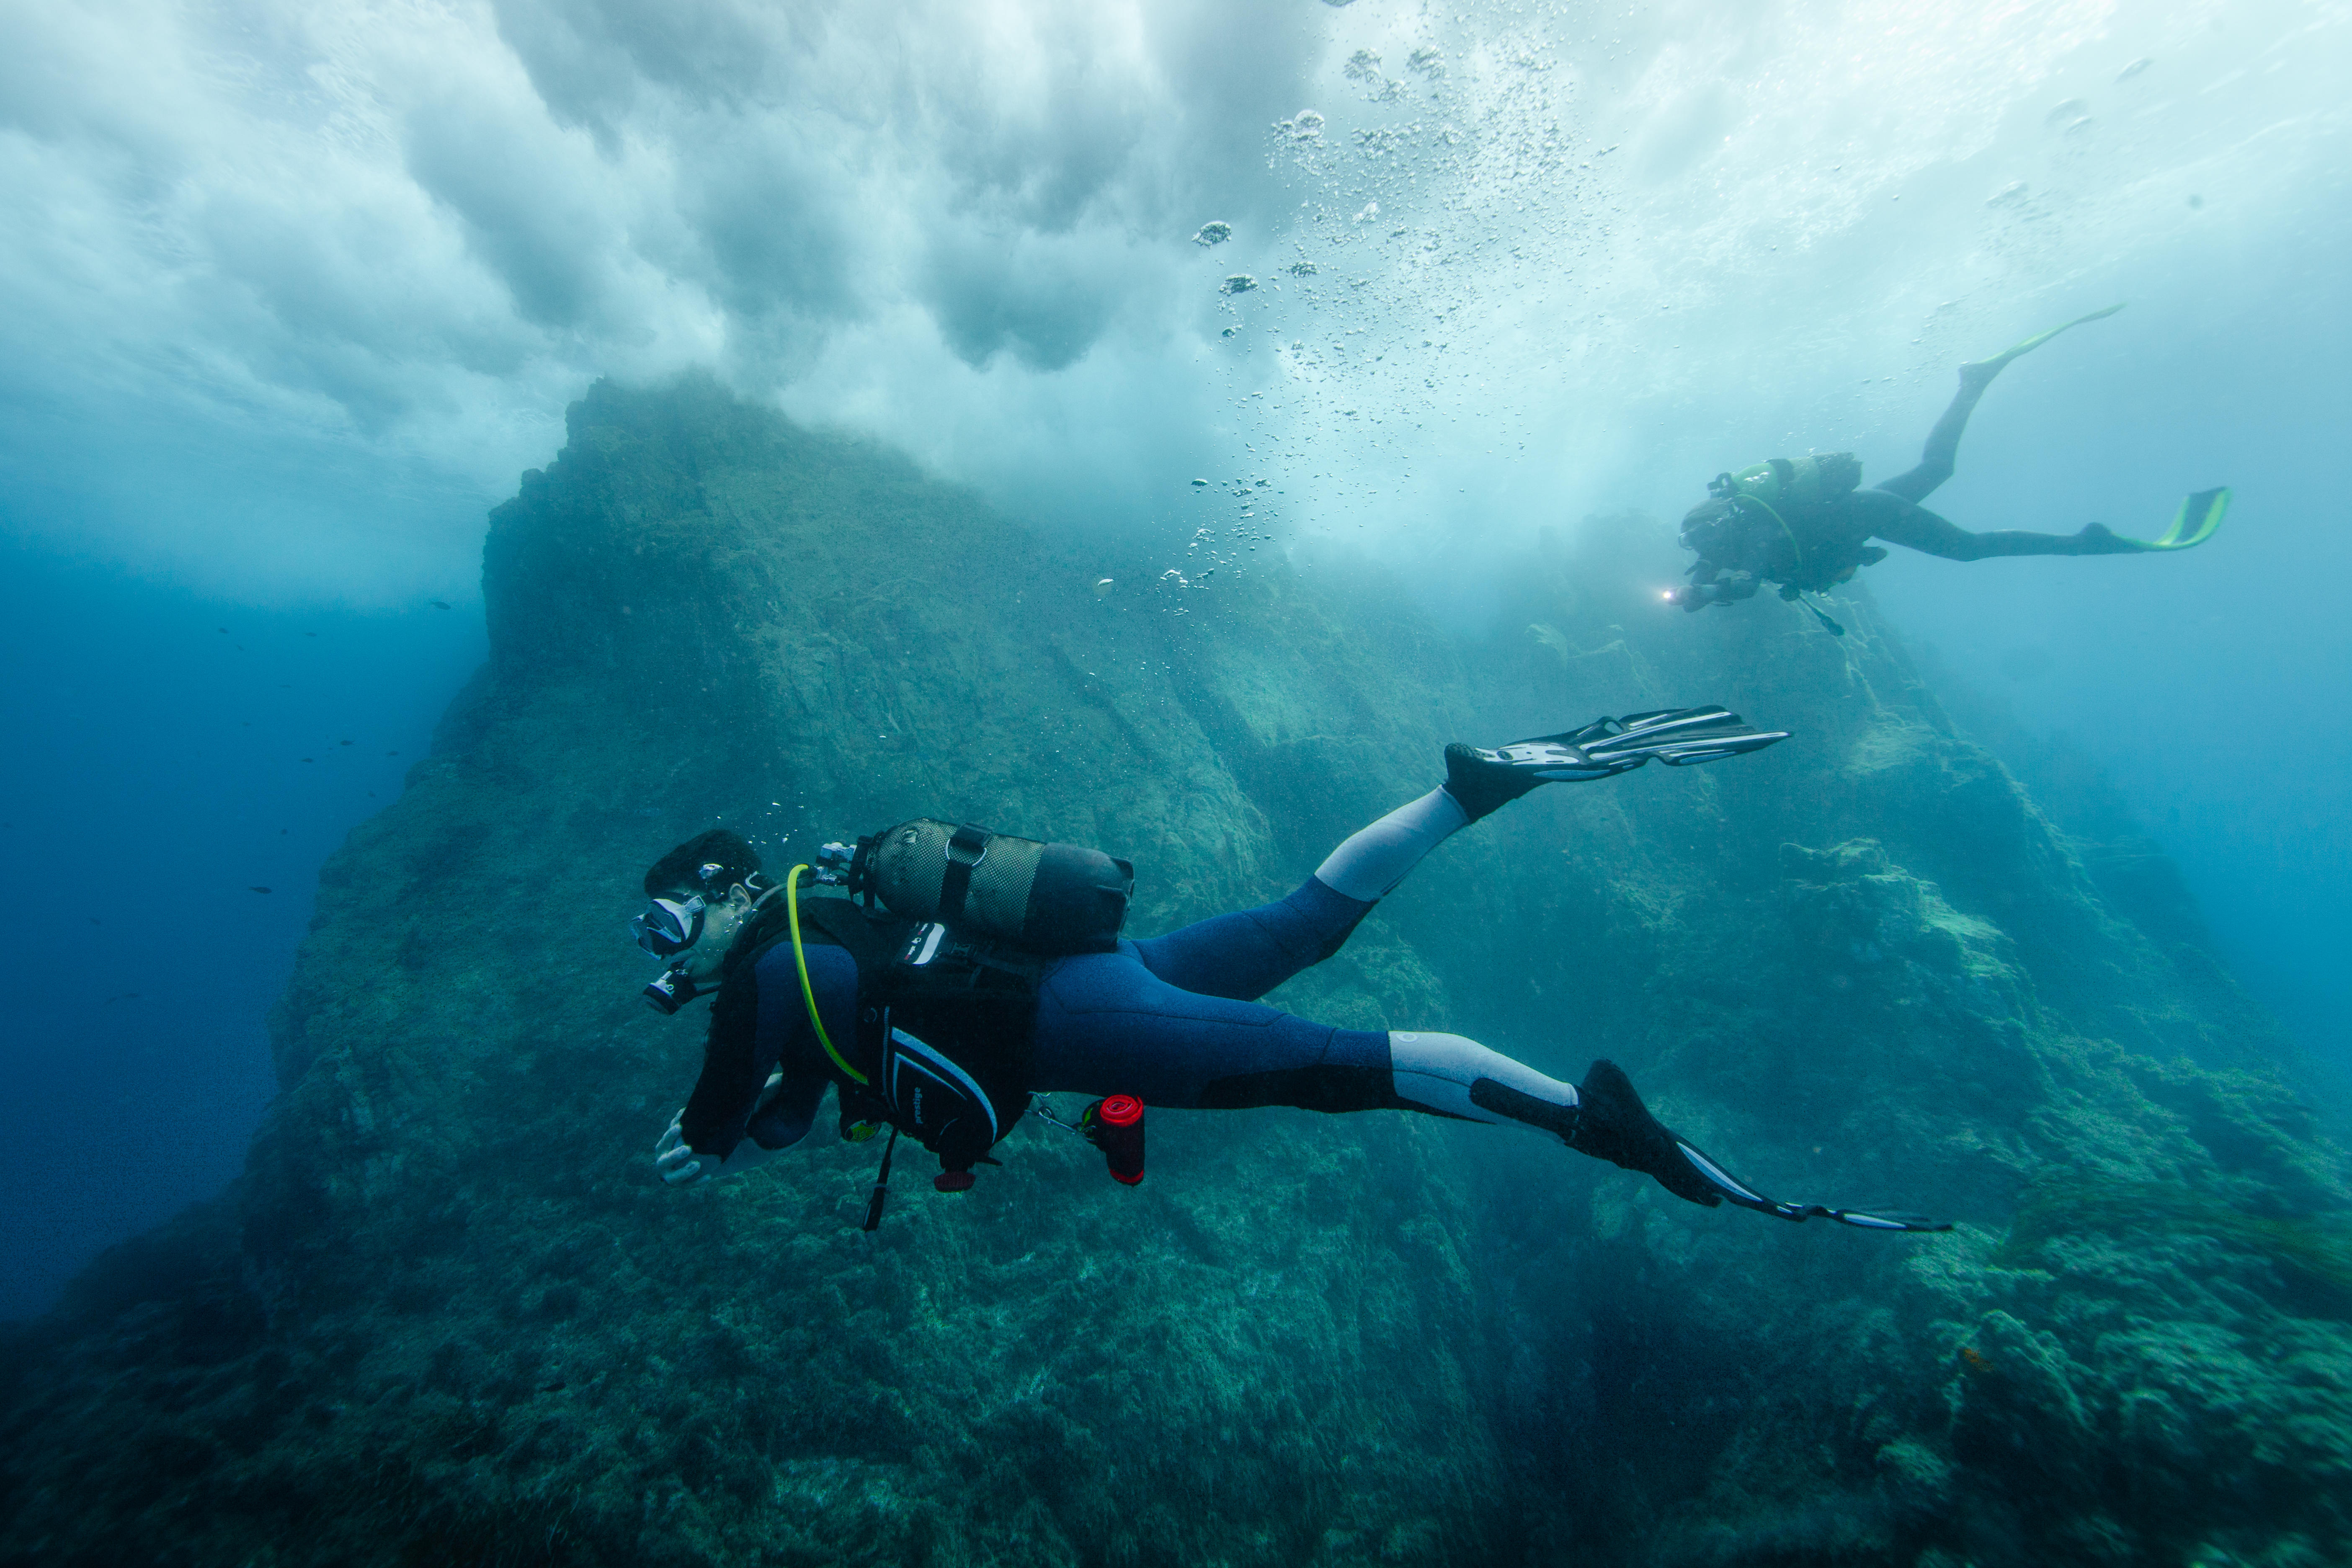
(680, 1166)
(677, 1164)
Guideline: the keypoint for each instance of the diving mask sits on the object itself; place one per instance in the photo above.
(669, 925)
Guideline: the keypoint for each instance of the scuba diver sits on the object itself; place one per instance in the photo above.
(1802, 524)
(969, 973)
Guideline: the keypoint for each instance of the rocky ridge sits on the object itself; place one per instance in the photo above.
(447, 1314)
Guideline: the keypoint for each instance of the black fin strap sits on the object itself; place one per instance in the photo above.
(1746, 1197)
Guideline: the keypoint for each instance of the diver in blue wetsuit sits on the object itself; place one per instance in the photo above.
(1172, 1021)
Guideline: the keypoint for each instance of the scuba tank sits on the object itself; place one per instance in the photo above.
(1790, 481)
(1049, 899)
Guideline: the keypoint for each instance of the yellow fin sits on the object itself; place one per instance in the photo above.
(2199, 517)
(2038, 339)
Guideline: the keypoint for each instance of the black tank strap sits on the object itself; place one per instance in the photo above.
(967, 847)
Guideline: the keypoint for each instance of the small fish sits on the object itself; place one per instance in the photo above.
(1103, 586)
(346, 743)
(223, 630)
(307, 758)
(309, 634)
(256, 888)
(1976, 1360)
(440, 603)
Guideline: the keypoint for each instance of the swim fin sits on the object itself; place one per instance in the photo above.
(1613, 1124)
(1481, 781)
(2199, 517)
(1986, 368)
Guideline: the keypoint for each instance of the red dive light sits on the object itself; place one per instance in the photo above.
(1115, 1126)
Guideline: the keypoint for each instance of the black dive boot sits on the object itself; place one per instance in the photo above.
(1613, 1124)
(1481, 781)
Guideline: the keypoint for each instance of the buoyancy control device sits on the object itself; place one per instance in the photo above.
(945, 1015)
(1754, 534)
(1791, 481)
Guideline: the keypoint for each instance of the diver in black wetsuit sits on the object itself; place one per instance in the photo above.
(1172, 1021)
(1803, 524)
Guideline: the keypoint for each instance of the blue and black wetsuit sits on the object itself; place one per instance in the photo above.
(1173, 1020)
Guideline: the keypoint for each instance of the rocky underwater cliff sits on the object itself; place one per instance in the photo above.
(447, 1315)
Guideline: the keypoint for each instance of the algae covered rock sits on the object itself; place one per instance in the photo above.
(448, 1313)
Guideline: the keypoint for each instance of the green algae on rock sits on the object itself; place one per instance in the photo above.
(448, 1314)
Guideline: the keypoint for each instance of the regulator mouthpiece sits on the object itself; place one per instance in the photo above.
(674, 989)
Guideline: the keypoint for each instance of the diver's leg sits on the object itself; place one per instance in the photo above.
(1373, 861)
(1918, 529)
(1245, 954)
(1935, 459)
(1108, 1026)
(1248, 953)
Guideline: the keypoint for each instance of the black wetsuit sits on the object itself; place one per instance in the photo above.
(1809, 547)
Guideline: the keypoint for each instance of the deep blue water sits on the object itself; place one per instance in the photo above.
(158, 777)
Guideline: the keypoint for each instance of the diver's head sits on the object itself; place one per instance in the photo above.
(1717, 528)
(1710, 512)
(701, 893)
